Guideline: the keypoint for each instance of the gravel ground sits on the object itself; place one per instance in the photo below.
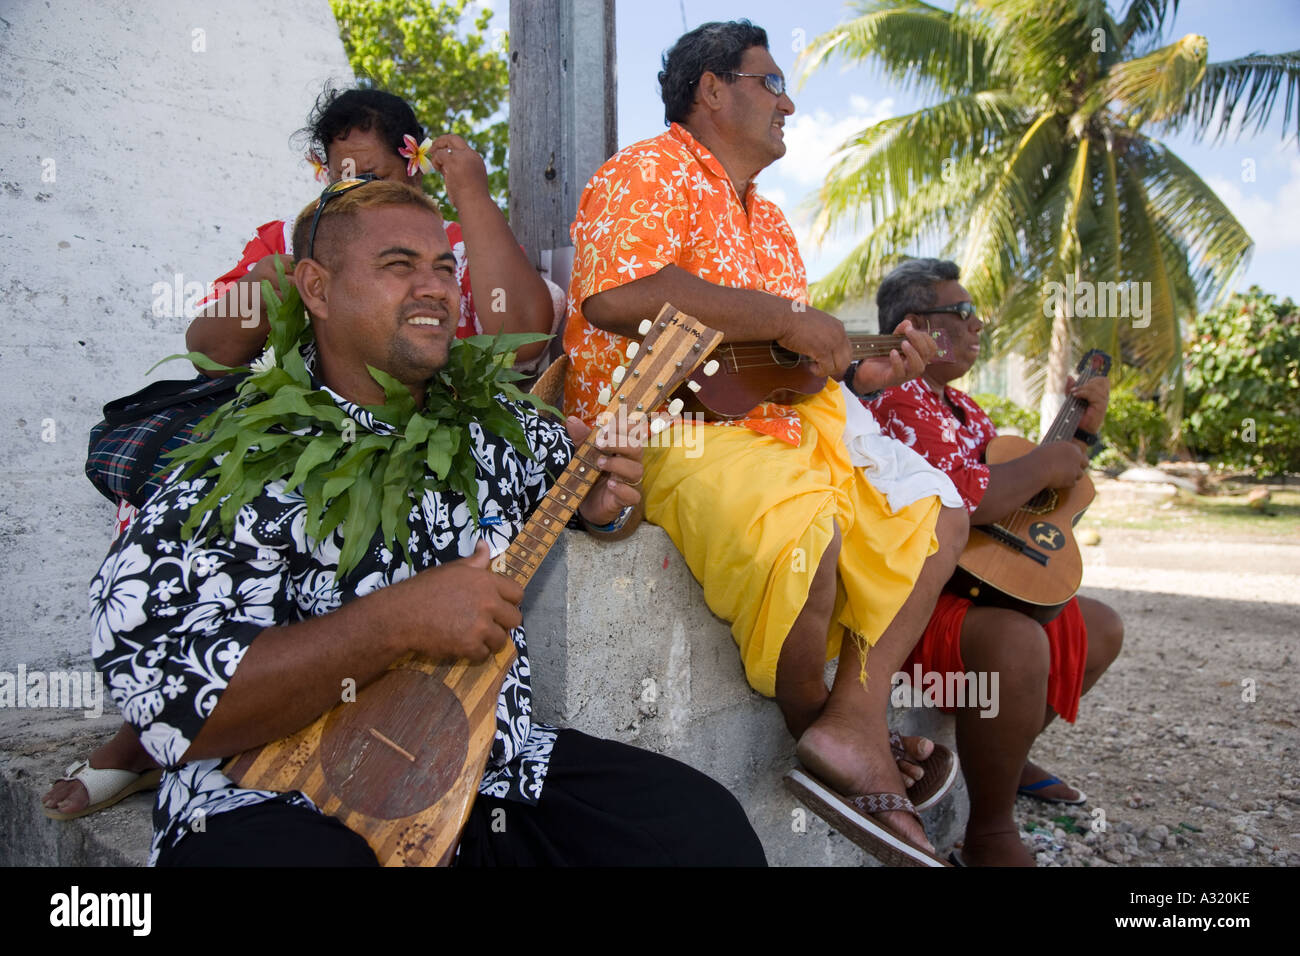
(1187, 747)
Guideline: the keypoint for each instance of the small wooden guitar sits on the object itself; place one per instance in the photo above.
(1029, 560)
(757, 372)
(401, 765)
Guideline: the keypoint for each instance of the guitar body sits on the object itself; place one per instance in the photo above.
(401, 764)
(773, 375)
(1005, 577)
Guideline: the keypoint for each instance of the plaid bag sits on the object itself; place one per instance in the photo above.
(124, 460)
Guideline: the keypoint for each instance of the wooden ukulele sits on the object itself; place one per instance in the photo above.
(757, 372)
(401, 765)
(1029, 561)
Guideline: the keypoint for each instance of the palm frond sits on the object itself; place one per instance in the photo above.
(918, 45)
(1051, 45)
(930, 214)
(1156, 87)
(1216, 244)
(1145, 18)
(885, 164)
(1153, 342)
(1251, 84)
(993, 237)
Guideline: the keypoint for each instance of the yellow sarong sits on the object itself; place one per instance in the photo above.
(752, 516)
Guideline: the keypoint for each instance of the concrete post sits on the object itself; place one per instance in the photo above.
(563, 119)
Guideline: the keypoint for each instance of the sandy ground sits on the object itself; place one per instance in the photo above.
(1188, 746)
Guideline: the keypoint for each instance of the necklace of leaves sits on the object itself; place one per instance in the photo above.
(281, 427)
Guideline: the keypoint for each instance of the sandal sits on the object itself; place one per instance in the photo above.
(105, 787)
(940, 772)
(853, 817)
(1031, 790)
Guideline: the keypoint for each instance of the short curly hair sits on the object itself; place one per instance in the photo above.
(338, 112)
(910, 287)
(711, 48)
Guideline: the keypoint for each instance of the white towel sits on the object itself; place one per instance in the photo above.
(893, 469)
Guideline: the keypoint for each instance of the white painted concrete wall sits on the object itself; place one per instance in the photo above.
(165, 158)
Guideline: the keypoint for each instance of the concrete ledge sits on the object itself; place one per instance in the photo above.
(622, 647)
(36, 746)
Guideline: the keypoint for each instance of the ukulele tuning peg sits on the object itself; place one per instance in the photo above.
(675, 407)
(657, 426)
(632, 349)
(605, 395)
(619, 374)
(645, 327)
(711, 367)
(693, 385)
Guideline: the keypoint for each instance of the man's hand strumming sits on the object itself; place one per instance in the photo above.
(458, 609)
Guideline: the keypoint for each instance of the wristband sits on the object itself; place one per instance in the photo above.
(1088, 438)
(615, 525)
(849, 374)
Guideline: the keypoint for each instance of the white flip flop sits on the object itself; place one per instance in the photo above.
(105, 787)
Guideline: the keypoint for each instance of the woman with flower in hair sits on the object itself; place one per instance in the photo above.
(360, 132)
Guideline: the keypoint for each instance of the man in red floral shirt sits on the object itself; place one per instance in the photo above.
(1043, 669)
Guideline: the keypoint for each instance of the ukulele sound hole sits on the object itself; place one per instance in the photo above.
(1042, 503)
(398, 748)
(784, 357)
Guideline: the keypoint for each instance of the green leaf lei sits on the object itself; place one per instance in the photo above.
(280, 427)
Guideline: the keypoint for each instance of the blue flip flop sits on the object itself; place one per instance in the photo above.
(1032, 791)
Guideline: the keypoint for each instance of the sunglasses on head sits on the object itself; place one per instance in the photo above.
(332, 191)
(774, 82)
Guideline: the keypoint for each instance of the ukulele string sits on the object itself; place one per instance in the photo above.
(1022, 519)
(761, 356)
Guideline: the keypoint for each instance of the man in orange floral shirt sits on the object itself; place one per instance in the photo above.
(790, 541)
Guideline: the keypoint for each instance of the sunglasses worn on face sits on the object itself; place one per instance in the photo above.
(774, 82)
(332, 191)
(963, 310)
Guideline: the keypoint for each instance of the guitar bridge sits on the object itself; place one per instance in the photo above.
(1014, 541)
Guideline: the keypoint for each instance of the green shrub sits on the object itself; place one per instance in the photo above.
(1007, 414)
(1243, 385)
(1135, 427)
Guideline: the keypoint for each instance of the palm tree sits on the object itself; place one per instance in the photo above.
(1034, 166)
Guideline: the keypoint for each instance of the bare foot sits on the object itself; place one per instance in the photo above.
(1000, 848)
(844, 760)
(1032, 773)
(918, 749)
(123, 752)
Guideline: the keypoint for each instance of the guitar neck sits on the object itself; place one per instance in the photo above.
(868, 346)
(528, 550)
(1071, 413)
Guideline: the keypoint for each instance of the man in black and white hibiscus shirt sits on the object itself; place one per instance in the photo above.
(220, 643)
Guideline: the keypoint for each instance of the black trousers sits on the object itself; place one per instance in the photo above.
(603, 804)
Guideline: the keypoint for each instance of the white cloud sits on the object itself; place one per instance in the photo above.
(1273, 221)
(811, 139)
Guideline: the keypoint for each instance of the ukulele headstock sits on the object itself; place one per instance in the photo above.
(673, 345)
(943, 344)
(1094, 364)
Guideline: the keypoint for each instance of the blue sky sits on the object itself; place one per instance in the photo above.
(836, 102)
